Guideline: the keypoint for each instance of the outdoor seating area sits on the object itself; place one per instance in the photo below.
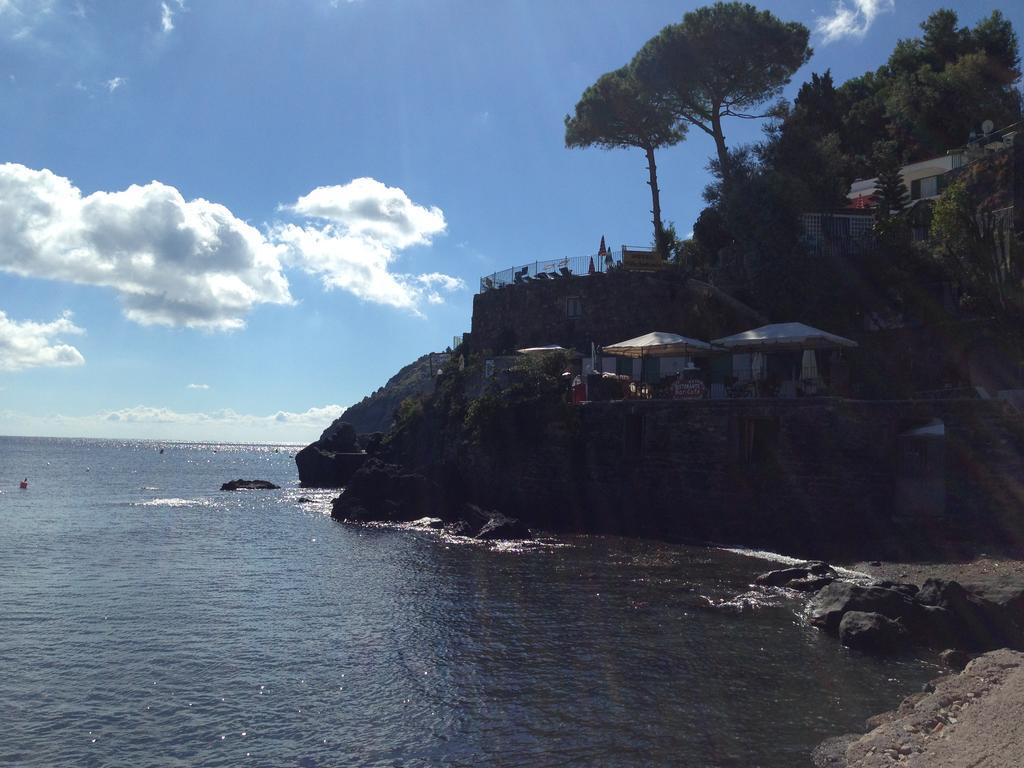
(781, 360)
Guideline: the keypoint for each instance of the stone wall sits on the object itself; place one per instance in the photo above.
(811, 477)
(609, 307)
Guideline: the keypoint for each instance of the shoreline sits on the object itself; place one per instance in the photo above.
(973, 718)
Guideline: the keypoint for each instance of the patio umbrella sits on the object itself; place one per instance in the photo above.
(660, 344)
(541, 350)
(783, 336)
(590, 269)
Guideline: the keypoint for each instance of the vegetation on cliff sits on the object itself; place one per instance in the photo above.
(376, 412)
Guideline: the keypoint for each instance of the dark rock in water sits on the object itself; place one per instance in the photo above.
(872, 632)
(331, 461)
(954, 659)
(304, 500)
(501, 527)
(387, 493)
(487, 525)
(810, 583)
(840, 597)
(249, 485)
(321, 468)
(783, 576)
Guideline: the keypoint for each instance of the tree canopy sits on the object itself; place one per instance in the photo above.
(618, 112)
(721, 61)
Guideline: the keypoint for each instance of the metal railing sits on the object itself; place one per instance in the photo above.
(551, 269)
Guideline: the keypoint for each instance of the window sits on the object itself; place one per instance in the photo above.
(931, 186)
(573, 307)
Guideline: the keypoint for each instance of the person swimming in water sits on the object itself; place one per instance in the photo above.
(23, 484)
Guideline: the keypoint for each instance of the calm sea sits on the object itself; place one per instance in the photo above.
(148, 619)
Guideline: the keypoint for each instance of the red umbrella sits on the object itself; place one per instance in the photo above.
(590, 269)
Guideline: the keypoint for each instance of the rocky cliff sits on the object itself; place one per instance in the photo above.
(816, 476)
(376, 412)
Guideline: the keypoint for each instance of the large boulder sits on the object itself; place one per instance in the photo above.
(982, 615)
(249, 485)
(387, 493)
(340, 437)
(321, 468)
(785, 576)
(872, 632)
(840, 597)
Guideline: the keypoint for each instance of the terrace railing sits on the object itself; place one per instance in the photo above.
(551, 269)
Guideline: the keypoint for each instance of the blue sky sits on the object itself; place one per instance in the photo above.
(229, 220)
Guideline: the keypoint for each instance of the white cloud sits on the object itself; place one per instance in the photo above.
(167, 11)
(198, 386)
(143, 421)
(114, 83)
(192, 263)
(37, 345)
(166, 18)
(173, 262)
(365, 225)
(366, 207)
(852, 20)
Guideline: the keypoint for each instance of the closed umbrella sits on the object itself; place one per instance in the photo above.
(757, 366)
(809, 365)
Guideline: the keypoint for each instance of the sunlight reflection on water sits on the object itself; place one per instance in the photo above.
(140, 630)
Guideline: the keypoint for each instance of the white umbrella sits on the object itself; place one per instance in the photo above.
(541, 350)
(660, 344)
(784, 336)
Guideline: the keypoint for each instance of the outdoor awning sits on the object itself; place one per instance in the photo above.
(541, 350)
(784, 336)
(660, 344)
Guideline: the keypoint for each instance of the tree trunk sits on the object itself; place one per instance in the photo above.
(723, 152)
(659, 230)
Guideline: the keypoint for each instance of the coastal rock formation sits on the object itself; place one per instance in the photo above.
(376, 412)
(381, 492)
(502, 527)
(331, 461)
(986, 614)
(249, 485)
(785, 577)
(872, 632)
(840, 597)
(971, 719)
(942, 614)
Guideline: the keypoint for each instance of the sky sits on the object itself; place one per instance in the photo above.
(229, 220)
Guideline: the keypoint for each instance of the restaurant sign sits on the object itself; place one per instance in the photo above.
(643, 261)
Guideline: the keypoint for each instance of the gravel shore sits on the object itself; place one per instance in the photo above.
(980, 569)
(975, 718)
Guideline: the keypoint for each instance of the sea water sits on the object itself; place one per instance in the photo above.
(149, 619)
